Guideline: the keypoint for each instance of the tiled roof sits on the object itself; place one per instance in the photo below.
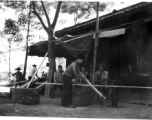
(130, 9)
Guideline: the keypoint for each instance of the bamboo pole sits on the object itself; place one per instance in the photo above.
(86, 85)
(23, 86)
(41, 84)
(96, 44)
(9, 60)
(26, 55)
(13, 83)
(34, 73)
(96, 90)
(37, 70)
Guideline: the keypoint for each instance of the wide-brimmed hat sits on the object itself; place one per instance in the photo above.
(18, 68)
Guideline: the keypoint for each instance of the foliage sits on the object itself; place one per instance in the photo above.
(78, 8)
(12, 30)
(11, 27)
(81, 9)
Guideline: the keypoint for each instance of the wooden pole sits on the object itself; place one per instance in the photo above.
(95, 89)
(9, 59)
(96, 44)
(41, 84)
(32, 80)
(37, 70)
(86, 85)
(51, 59)
(26, 55)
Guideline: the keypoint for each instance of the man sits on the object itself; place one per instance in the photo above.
(85, 73)
(58, 78)
(58, 75)
(101, 78)
(71, 71)
(18, 75)
(31, 73)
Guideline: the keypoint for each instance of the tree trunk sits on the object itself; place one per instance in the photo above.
(25, 63)
(51, 59)
(9, 60)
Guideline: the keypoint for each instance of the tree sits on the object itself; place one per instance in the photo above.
(81, 9)
(12, 35)
(41, 9)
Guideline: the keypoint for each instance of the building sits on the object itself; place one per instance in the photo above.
(125, 44)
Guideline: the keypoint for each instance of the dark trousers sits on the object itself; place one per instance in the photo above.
(66, 91)
(29, 78)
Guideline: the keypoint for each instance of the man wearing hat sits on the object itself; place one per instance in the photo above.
(18, 75)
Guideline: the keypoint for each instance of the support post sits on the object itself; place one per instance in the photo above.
(51, 59)
(96, 44)
(26, 54)
(9, 59)
(114, 95)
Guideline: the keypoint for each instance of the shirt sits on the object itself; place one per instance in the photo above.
(32, 71)
(58, 77)
(101, 77)
(19, 76)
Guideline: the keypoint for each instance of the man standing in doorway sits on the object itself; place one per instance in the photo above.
(71, 71)
(58, 75)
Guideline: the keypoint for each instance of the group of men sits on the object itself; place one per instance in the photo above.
(73, 71)
(65, 77)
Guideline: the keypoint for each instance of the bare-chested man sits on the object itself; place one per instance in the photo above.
(71, 71)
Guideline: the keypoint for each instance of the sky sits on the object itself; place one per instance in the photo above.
(18, 57)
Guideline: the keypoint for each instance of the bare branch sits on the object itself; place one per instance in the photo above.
(38, 16)
(47, 17)
(56, 14)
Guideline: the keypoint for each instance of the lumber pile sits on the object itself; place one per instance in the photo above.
(82, 96)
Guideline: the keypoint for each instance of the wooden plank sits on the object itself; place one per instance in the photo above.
(111, 33)
(95, 44)
(141, 102)
(115, 86)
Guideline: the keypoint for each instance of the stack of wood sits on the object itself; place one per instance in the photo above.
(25, 96)
(82, 96)
(58, 92)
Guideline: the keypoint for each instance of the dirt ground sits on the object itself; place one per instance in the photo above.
(52, 108)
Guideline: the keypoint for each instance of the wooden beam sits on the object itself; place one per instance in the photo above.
(26, 55)
(37, 70)
(95, 44)
(111, 33)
